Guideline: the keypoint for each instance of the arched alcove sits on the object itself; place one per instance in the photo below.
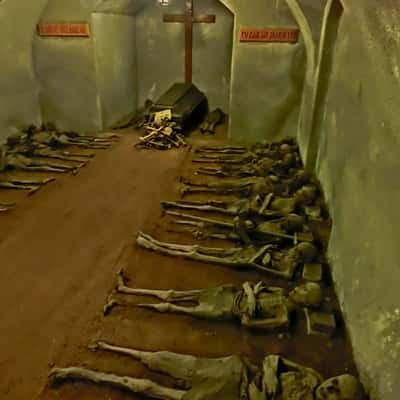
(65, 70)
(161, 51)
(87, 84)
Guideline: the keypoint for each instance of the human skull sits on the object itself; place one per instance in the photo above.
(264, 165)
(343, 387)
(262, 188)
(302, 176)
(285, 148)
(293, 223)
(306, 252)
(306, 195)
(308, 294)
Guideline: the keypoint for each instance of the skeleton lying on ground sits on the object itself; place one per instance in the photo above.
(227, 378)
(258, 167)
(259, 184)
(254, 305)
(222, 149)
(230, 171)
(12, 160)
(281, 146)
(52, 138)
(213, 119)
(235, 207)
(246, 230)
(21, 144)
(31, 185)
(279, 160)
(229, 186)
(99, 138)
(259, 187)
(257, 203)
(4, 207)
(266, 259)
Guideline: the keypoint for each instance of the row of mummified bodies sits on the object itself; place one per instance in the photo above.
(32, 148)
(255, 305)
(272, 242)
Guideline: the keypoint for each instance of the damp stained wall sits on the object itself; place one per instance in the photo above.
(115, 58)
(87, 84)
(267, 78)
(18, 86)
(358, 163)
(66, 72)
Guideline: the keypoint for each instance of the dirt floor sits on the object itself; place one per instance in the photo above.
(60, 250)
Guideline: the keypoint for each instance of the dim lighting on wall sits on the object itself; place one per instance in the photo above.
(163, 2)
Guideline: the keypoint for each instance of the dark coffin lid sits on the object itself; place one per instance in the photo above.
(171, 97)
(182, 98)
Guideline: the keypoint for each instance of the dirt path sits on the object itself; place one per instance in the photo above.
(60, 251)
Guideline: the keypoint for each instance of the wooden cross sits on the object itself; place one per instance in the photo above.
(188, 18)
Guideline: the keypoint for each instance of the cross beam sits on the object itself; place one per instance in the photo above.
(188, 18)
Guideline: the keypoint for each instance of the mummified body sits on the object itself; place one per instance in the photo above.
(30, 185)
(245, 230)
(266, 259)
(5, 207)
(226, 378)
(49, 136)
(254, 305)
(10, 159)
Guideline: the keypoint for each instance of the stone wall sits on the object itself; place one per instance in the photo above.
(355, 149)
(18, 86)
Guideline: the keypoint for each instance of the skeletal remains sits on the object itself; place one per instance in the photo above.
(255, 305)
(4, 207)
(23, 151)
(161, 136)
(266, 259)
(247, 230)
(13, 160)
(226, 378)
(49, 136)
(271, 197)
(31, 185)
(213, 119)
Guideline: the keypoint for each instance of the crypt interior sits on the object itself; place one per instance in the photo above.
(183, 145)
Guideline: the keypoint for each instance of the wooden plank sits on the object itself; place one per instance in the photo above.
(188, 50)
(204, 19)
(174, 18)
(64, 29)
(189, 19)
(269, 35)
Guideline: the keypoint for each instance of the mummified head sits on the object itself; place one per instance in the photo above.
(306, 195)
(14, 139)
(308, 294)
(306, 252)
(343, 387)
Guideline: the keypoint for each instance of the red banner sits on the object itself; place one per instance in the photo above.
(280, 35)
(74, 29)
